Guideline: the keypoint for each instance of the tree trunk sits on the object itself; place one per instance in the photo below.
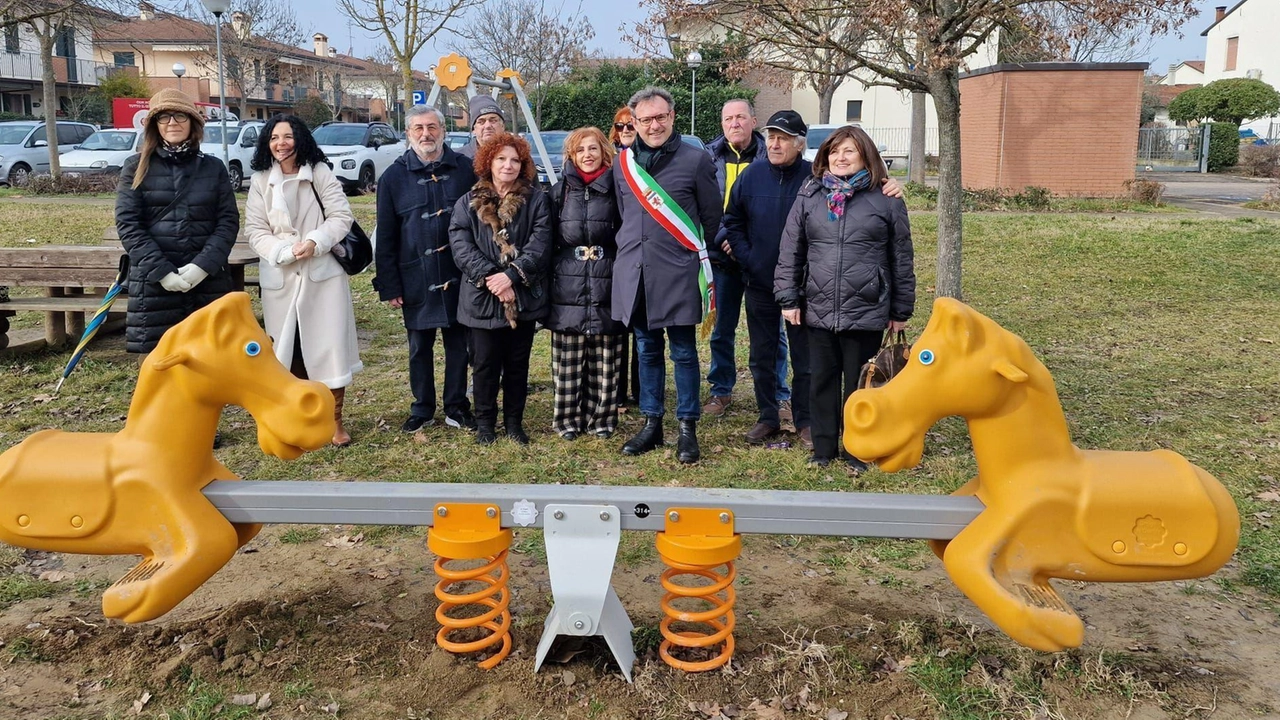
(826, 92)
(406, 74)
(50, 101)
(944, 86)
(919, 150)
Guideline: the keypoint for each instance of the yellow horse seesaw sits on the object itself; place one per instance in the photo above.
(137, 492)
(1052, 510)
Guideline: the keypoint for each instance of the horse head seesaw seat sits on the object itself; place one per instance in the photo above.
(1040, 508)
(1052, 509)
(137, 491)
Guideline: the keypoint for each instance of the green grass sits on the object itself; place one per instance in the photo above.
(15, 587)
(301, 535)
(203, 701)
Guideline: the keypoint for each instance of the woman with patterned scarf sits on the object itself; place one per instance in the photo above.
(500, 234)
(847, 272)
(177, 218)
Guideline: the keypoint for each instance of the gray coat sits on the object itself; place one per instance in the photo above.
(853, 273)
(646, 250)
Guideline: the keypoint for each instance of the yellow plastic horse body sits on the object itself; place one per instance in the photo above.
(1052, 510)
(138, 491)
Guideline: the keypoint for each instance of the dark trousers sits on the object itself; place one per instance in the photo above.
(835, 357)
(763, 316)
(501, 357)
(422, 371)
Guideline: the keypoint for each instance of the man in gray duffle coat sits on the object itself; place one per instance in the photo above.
(655, 282)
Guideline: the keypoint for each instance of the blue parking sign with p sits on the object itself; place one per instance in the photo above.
(419, 97)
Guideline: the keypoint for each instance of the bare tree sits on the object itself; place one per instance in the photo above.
(386, 77)
(254, 35)
(49, 27)
(408, 25)
(920, 46)
(1068, 33)
(541, 43)
(23, 12)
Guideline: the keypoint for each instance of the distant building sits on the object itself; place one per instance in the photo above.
(1187, 72)
(1242, 42)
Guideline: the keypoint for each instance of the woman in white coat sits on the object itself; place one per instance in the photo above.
(296, 213)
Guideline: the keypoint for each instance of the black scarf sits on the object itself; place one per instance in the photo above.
(648, 157)
(184, 150)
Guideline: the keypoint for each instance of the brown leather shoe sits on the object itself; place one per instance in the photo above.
(760, 432)
(717, 406)
(806, 438)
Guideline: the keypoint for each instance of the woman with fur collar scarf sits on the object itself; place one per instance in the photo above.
(500, 234)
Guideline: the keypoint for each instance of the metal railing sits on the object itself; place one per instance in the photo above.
(26, 66)
(1176, 149)
(897, 141)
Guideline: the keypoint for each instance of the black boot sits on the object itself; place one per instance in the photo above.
(687, 444)
(515, 431)
(484, 432)
(649, 437)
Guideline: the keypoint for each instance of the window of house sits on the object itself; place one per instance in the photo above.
(257, 71)
(853, 111)
(11, 42)
(273, 73)
(320, 80)
(1233, 48)
(123, 58)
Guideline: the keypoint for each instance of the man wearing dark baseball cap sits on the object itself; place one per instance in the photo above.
(789, 122)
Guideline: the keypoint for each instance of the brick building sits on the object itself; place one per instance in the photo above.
(1068, 127)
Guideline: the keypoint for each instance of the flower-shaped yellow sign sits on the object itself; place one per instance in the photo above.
(453, 72)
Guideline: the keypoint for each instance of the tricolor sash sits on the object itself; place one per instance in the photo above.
(674, 220)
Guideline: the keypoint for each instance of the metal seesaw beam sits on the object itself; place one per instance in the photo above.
(769, 512)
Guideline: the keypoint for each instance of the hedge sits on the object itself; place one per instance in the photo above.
(1224, 145)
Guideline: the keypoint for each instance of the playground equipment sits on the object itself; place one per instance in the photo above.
(1052, 510)
(137, 492)
(453, 72)
(1039, 508)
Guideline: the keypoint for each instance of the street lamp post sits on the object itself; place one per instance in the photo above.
(179, 69)
(694, 60)
(218, 7)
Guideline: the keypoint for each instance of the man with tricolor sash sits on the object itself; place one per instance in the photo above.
(663, 287)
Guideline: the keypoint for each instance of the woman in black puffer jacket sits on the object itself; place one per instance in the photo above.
(177, 218)
(588, 347)
(847, 271)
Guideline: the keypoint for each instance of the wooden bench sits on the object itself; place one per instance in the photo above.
(74, 278)
(241, 256)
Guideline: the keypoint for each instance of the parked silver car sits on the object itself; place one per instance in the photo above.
(24, 147)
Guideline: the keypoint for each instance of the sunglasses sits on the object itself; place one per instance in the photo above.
(620, 127)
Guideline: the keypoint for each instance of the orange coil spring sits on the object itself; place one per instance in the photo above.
(495, 596)
(719, 595)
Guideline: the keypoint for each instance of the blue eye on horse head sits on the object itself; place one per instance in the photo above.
(252, 348)
(926, 357)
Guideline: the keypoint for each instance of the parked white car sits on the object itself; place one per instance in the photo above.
(102, 153)
(24, 149)
(359, 152)
(242, 140)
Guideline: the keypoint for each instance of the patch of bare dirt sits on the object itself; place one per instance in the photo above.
(348, 630)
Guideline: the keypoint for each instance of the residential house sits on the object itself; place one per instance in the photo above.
(1187, 72)
(1241, 42)
(74, 66)
(262, 77)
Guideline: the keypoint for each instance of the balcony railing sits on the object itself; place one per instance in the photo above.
(77, 71)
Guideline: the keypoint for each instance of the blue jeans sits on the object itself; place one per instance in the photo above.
(653, 371)
(723, 374)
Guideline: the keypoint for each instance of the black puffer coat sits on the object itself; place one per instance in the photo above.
(200, 228)
(853, 273)
(587, 220)
(477, 255)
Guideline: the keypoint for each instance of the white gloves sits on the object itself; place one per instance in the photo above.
(193, 274)
(173, 282)
(284, 255)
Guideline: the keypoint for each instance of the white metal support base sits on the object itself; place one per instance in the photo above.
(582, 544)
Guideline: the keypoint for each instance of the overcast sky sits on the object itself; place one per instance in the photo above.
(607, 15)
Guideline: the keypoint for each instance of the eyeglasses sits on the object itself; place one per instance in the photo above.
(168, 118)
(624, 127)
(652, 119)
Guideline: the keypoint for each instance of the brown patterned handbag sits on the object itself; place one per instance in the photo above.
(886, 363)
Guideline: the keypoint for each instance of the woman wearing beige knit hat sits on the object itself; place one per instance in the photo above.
(177, 218)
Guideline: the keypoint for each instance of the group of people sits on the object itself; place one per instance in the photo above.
(644, 238)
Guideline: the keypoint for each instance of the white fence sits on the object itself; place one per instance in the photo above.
(898, 140)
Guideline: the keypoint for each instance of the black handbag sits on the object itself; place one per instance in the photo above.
(358, 250)
(887, 363)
